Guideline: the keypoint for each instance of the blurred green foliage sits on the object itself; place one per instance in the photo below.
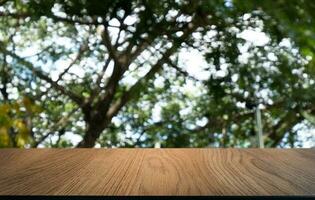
(14, 116)
(59, 74)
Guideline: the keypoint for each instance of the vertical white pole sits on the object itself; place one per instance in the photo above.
(259, 128)
(157, 145)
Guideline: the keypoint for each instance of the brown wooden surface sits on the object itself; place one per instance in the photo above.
(157, 172)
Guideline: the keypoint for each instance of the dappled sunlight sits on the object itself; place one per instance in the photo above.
(157, 74)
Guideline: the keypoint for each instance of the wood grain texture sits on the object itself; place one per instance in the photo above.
(157, 172)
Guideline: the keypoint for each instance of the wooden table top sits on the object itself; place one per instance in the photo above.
(157, 172)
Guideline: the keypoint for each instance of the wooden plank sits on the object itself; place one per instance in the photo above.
(157, 172)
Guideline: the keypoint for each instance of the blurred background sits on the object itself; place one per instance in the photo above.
(140, 73)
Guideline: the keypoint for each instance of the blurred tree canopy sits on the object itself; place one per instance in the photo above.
(120, 73)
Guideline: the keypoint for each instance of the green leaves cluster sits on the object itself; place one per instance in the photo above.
(15, 130)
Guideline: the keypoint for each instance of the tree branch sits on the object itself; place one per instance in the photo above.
(108, 43)
(82, 49)
(178, 69)
(2, 2)
(61, 124)
(99, 80)
(288, 121)
(135, 90)
(40, 74)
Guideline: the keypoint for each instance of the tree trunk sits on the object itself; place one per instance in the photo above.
(95, 125)
(92, 132)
